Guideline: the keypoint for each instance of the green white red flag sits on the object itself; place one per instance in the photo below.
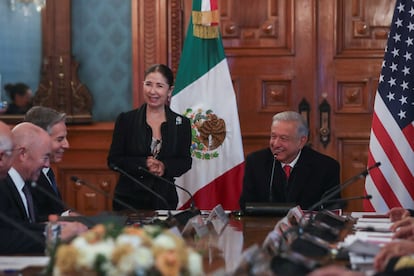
(204, 93)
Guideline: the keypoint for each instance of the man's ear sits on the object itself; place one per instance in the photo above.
(303, 141)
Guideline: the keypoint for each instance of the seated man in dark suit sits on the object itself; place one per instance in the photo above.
(20, 230)
(55, 125)
(310, 175)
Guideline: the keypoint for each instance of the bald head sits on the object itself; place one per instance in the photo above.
(33, 146)
(6, 149)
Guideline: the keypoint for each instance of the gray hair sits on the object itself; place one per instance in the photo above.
(44, 117)
(294, 116)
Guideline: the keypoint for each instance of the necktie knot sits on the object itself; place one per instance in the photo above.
(287, 170)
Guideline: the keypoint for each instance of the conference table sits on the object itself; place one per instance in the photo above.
(221, 252)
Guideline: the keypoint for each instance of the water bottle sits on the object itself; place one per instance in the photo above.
(52, 232)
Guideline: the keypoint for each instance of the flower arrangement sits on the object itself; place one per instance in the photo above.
(111, 250)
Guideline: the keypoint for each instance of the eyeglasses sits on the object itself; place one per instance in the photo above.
(158, 85)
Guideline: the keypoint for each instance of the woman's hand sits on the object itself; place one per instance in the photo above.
(155, 166)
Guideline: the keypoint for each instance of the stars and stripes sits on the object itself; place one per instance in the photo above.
(392, 133)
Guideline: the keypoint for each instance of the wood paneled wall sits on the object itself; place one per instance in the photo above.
(283, 52)
(280, 53)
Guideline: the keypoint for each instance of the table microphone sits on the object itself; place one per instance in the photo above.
(345, 200)
(85, 220)
(185, 215)
(102, 192)
(332, 219)
(51, 196)
(327, 195)
(307, 244)
(192, 204)
(170, 218)
(337, 189)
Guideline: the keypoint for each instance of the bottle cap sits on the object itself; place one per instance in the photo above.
(53, 217)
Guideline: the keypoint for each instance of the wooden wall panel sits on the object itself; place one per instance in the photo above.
(281, 52)
(353, 157)
(272, 71)
(363, 27)
(260, 24)
(352, 49)
(86, 159)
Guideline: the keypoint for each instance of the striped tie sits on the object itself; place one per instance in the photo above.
(29, 200)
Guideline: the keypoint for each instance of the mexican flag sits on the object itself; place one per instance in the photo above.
(204, 93)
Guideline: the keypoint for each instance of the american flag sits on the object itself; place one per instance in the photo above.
(392, 133)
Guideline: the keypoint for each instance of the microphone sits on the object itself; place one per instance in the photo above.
(185, 215)
(164, 201)
(332, 219)
(345, 200)
(85, 220)
(309, 245)
(328, 195)
(192, 204)
(51, 196)
(102, 192)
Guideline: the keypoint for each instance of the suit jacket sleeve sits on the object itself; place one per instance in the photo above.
(256, 180)
(17, 235)
(25, 239)
(124, 151)
(175, 154)
(132, 138)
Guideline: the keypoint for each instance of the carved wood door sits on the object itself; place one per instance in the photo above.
(351, 40)
(326, 53)
(283, 53)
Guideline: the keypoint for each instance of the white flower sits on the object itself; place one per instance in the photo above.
(88, 252)
(165, 241)
(132, 240)
(133, 252)
(140, 258)
(195, 263)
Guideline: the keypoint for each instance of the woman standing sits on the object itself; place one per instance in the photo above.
(152, 137)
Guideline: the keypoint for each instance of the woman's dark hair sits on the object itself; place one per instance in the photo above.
(163, 70)
(16, 89)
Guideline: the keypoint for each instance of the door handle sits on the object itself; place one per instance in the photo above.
(324, 123)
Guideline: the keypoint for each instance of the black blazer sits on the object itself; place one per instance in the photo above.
(130, 148)
(313, 174)
(44, 204)
(15, 240)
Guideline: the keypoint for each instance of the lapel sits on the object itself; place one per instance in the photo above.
(43, 181)
(16, 199)
(300, 177)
